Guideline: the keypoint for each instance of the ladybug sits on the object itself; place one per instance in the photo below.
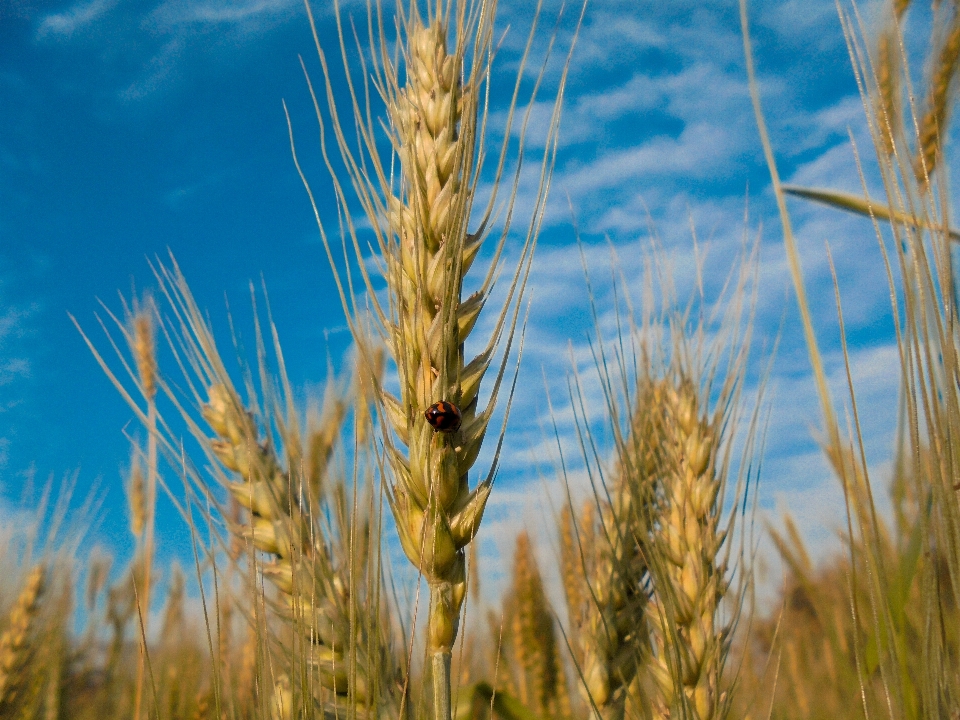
(443, 416)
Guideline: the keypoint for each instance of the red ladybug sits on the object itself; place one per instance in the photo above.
(443, 416)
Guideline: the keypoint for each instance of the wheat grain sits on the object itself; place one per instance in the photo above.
(144, 352)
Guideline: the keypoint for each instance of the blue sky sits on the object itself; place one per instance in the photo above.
(127, 128)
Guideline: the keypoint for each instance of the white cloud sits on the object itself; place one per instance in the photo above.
(78, 17)
(250, 14)
(157, 72)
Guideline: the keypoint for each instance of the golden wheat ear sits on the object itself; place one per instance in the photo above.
(16, 648)
(434, 86)
(650, 558)
(532, 659)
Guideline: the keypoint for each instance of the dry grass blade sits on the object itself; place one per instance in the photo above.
(864, 206)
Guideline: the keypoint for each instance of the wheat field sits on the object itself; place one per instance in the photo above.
(335, 542)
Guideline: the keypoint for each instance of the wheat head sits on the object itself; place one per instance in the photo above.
(689, 573)
(15, 649)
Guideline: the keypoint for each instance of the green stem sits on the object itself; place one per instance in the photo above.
(441, 634)
(441, 685)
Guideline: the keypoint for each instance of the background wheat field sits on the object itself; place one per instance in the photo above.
(477, 358)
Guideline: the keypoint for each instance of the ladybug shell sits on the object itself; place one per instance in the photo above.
(443, 416)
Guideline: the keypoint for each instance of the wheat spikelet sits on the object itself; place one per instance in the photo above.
(935, 120)
(14, 643)
(688, 573)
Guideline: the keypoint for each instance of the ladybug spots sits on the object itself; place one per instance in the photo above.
(443, 416)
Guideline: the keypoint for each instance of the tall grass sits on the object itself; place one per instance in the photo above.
(887, 632)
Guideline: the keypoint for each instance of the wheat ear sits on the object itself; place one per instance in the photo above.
(536, 664)
(302, 568)
(605, 569)
(935, 120)
(426, 247)
(688, 573)
(14, 643)
(611, 627)
(436, 513)
(889, 103)
(318, 537)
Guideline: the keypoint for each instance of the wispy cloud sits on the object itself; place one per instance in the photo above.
(249, 12)
(15, 366)
(78, 17)
(157, 71)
